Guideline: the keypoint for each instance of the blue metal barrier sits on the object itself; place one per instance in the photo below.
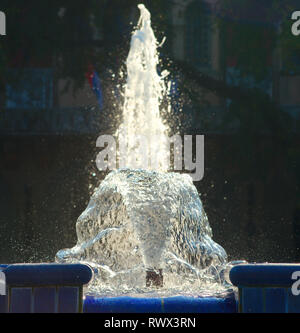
(174, 304)
(33, 288)
(266, 288)
(58, 288)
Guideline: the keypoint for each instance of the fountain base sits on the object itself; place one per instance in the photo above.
(172, 304)
(33, 288)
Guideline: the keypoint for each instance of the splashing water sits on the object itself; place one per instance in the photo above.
(139, 221)
(144, 91)
(145, 229)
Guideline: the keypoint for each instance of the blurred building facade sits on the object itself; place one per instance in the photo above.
(196, 38)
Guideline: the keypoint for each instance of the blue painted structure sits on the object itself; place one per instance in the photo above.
(266, 288)
(174, 304)
(50, 288)
(262, 288)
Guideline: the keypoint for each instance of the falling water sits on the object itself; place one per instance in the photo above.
(139, 221)
(145, 229)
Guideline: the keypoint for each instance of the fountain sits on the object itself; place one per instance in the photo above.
(144, 240)
(141, 223)
(143, 227)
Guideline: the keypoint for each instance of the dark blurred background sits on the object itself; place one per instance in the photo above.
(235, 73)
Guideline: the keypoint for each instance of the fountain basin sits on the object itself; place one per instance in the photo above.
(173, 304)
(53, 288)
